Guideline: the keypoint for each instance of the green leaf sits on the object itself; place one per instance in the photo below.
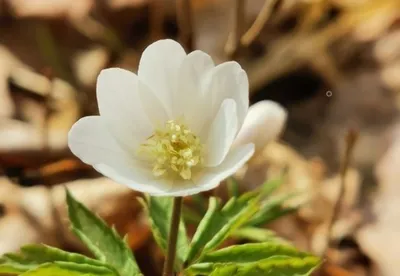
(104, 242)
(68, 269)
(202, 235)
(251, 252)
(190, 216)
(32, 256)
(44, 254)
(233, 187)
(272, 209)
(225, 270)
(200, 203)
(271, 185)
(281, 265)
(218, 224)
(15, 264)
(256, 234)
(275, 213)
(159, 210)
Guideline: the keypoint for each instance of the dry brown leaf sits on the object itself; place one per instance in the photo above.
(120, 4)
(387, 48)
(318, 194)
(349, 3)
(51, 8)
(30, 211)
(42, 213)
(390, 75)
(333, 270)
(375, 17)
(87, 64)
(379, 236)
(32, 133)
(8, 63)
(36, 133)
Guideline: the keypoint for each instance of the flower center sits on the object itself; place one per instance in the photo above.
(174, 151)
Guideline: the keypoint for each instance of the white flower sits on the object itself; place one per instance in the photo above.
(168, 130)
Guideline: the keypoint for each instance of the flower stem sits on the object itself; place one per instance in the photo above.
(173, 237)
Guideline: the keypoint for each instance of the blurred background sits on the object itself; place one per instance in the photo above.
(333, 64)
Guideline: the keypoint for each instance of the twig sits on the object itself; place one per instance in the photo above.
(351, 139)
(184, 11)
(254, 31)
(173, 237)
(233, 45)
(293, 50)
(157, 15)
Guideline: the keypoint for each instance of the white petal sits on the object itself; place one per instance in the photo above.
(152, 106)
(90, 140)
(264, 122)
(159, 69)
(221, 134)
(192, 100)
(212, 177)
(121, 108)
(135, 177)
(228, 80)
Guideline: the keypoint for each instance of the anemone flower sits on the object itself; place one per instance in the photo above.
(169, 129)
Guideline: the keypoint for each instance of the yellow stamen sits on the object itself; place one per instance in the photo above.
(174, 151)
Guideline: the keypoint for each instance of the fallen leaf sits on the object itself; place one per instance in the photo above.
(41, 212)
(378, 236)
(50, 8)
